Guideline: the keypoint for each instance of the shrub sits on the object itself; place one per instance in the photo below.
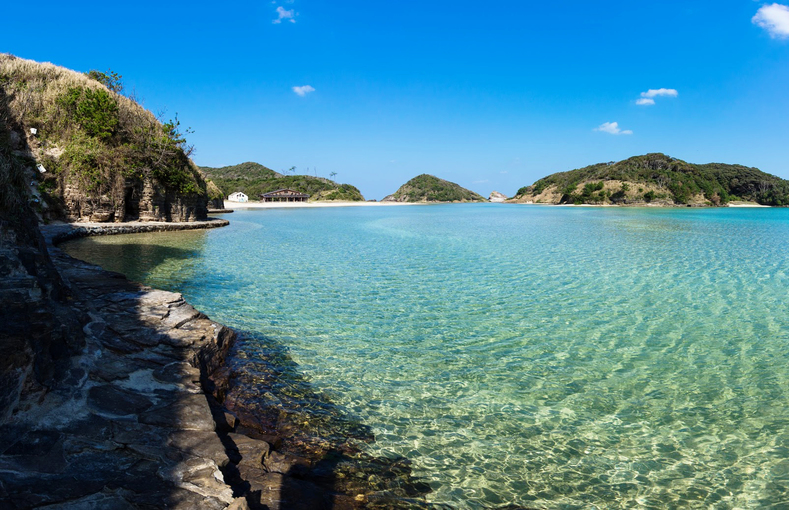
(109, 79)
(94, 110)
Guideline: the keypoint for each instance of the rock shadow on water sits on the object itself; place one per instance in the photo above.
(314, 446)
(128, 258)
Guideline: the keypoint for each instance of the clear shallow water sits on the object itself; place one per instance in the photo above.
(540, 356)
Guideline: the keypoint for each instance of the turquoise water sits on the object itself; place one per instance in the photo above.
(539, 356)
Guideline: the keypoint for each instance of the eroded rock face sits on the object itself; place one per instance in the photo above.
(37, 328)
(143, 200)
(495, 196)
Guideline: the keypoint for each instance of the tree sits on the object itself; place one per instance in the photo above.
(332, 175)
(110, 79)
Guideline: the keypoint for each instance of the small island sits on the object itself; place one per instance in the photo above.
(657, 180)
(429, 188)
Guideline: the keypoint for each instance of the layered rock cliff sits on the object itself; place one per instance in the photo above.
(39, 328)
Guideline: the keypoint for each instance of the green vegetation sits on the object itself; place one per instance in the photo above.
(95, 111)
(428, 188)
(109, 79)
(669, 179)
(254, 179)
(90, 137)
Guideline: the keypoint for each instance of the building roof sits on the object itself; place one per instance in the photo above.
(286, 192)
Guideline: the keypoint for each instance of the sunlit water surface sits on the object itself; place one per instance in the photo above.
(539, 356)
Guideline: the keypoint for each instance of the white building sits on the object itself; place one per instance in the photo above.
(237, 197)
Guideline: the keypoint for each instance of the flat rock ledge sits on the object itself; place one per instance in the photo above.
(59, 232)
(131, 426)
(138, 422)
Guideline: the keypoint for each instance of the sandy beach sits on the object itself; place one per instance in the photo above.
(280, 205)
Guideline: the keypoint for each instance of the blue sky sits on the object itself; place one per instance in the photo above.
(489, 95)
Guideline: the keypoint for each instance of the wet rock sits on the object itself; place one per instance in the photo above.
(286, 464)
(278, 492)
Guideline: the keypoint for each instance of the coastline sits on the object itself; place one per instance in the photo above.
(60, 232)
(646, 205)
(144, 418)
(310, 205)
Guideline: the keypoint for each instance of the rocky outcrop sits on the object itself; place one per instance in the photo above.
(497, 197)
(142, 200)
(60, 232)
(129, 427)
(93, 154)
(39, 330)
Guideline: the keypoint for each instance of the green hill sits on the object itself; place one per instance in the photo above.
(254, 179)
(428, 188)
(657, 179)
(105, 157)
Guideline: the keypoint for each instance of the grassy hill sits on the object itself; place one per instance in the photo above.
(254, 179)
(428, 188)
(102, 151)
(658, 179)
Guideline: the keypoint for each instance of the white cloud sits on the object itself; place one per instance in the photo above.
(659, 93)
(774, 18)
(612, 128)
(303, 90)
(645, 101)
(284, 14)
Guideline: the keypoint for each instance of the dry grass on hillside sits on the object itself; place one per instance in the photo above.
(34, 89)
(90, 136)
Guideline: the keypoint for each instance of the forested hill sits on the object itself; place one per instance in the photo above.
(253, 179)
(658, 179)
(429, 188)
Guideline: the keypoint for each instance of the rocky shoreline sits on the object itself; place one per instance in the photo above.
(57, 233)
(161, 409)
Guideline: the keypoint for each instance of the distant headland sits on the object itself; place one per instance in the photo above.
(657, 180)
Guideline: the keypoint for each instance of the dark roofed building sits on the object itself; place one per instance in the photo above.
(284, 195)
